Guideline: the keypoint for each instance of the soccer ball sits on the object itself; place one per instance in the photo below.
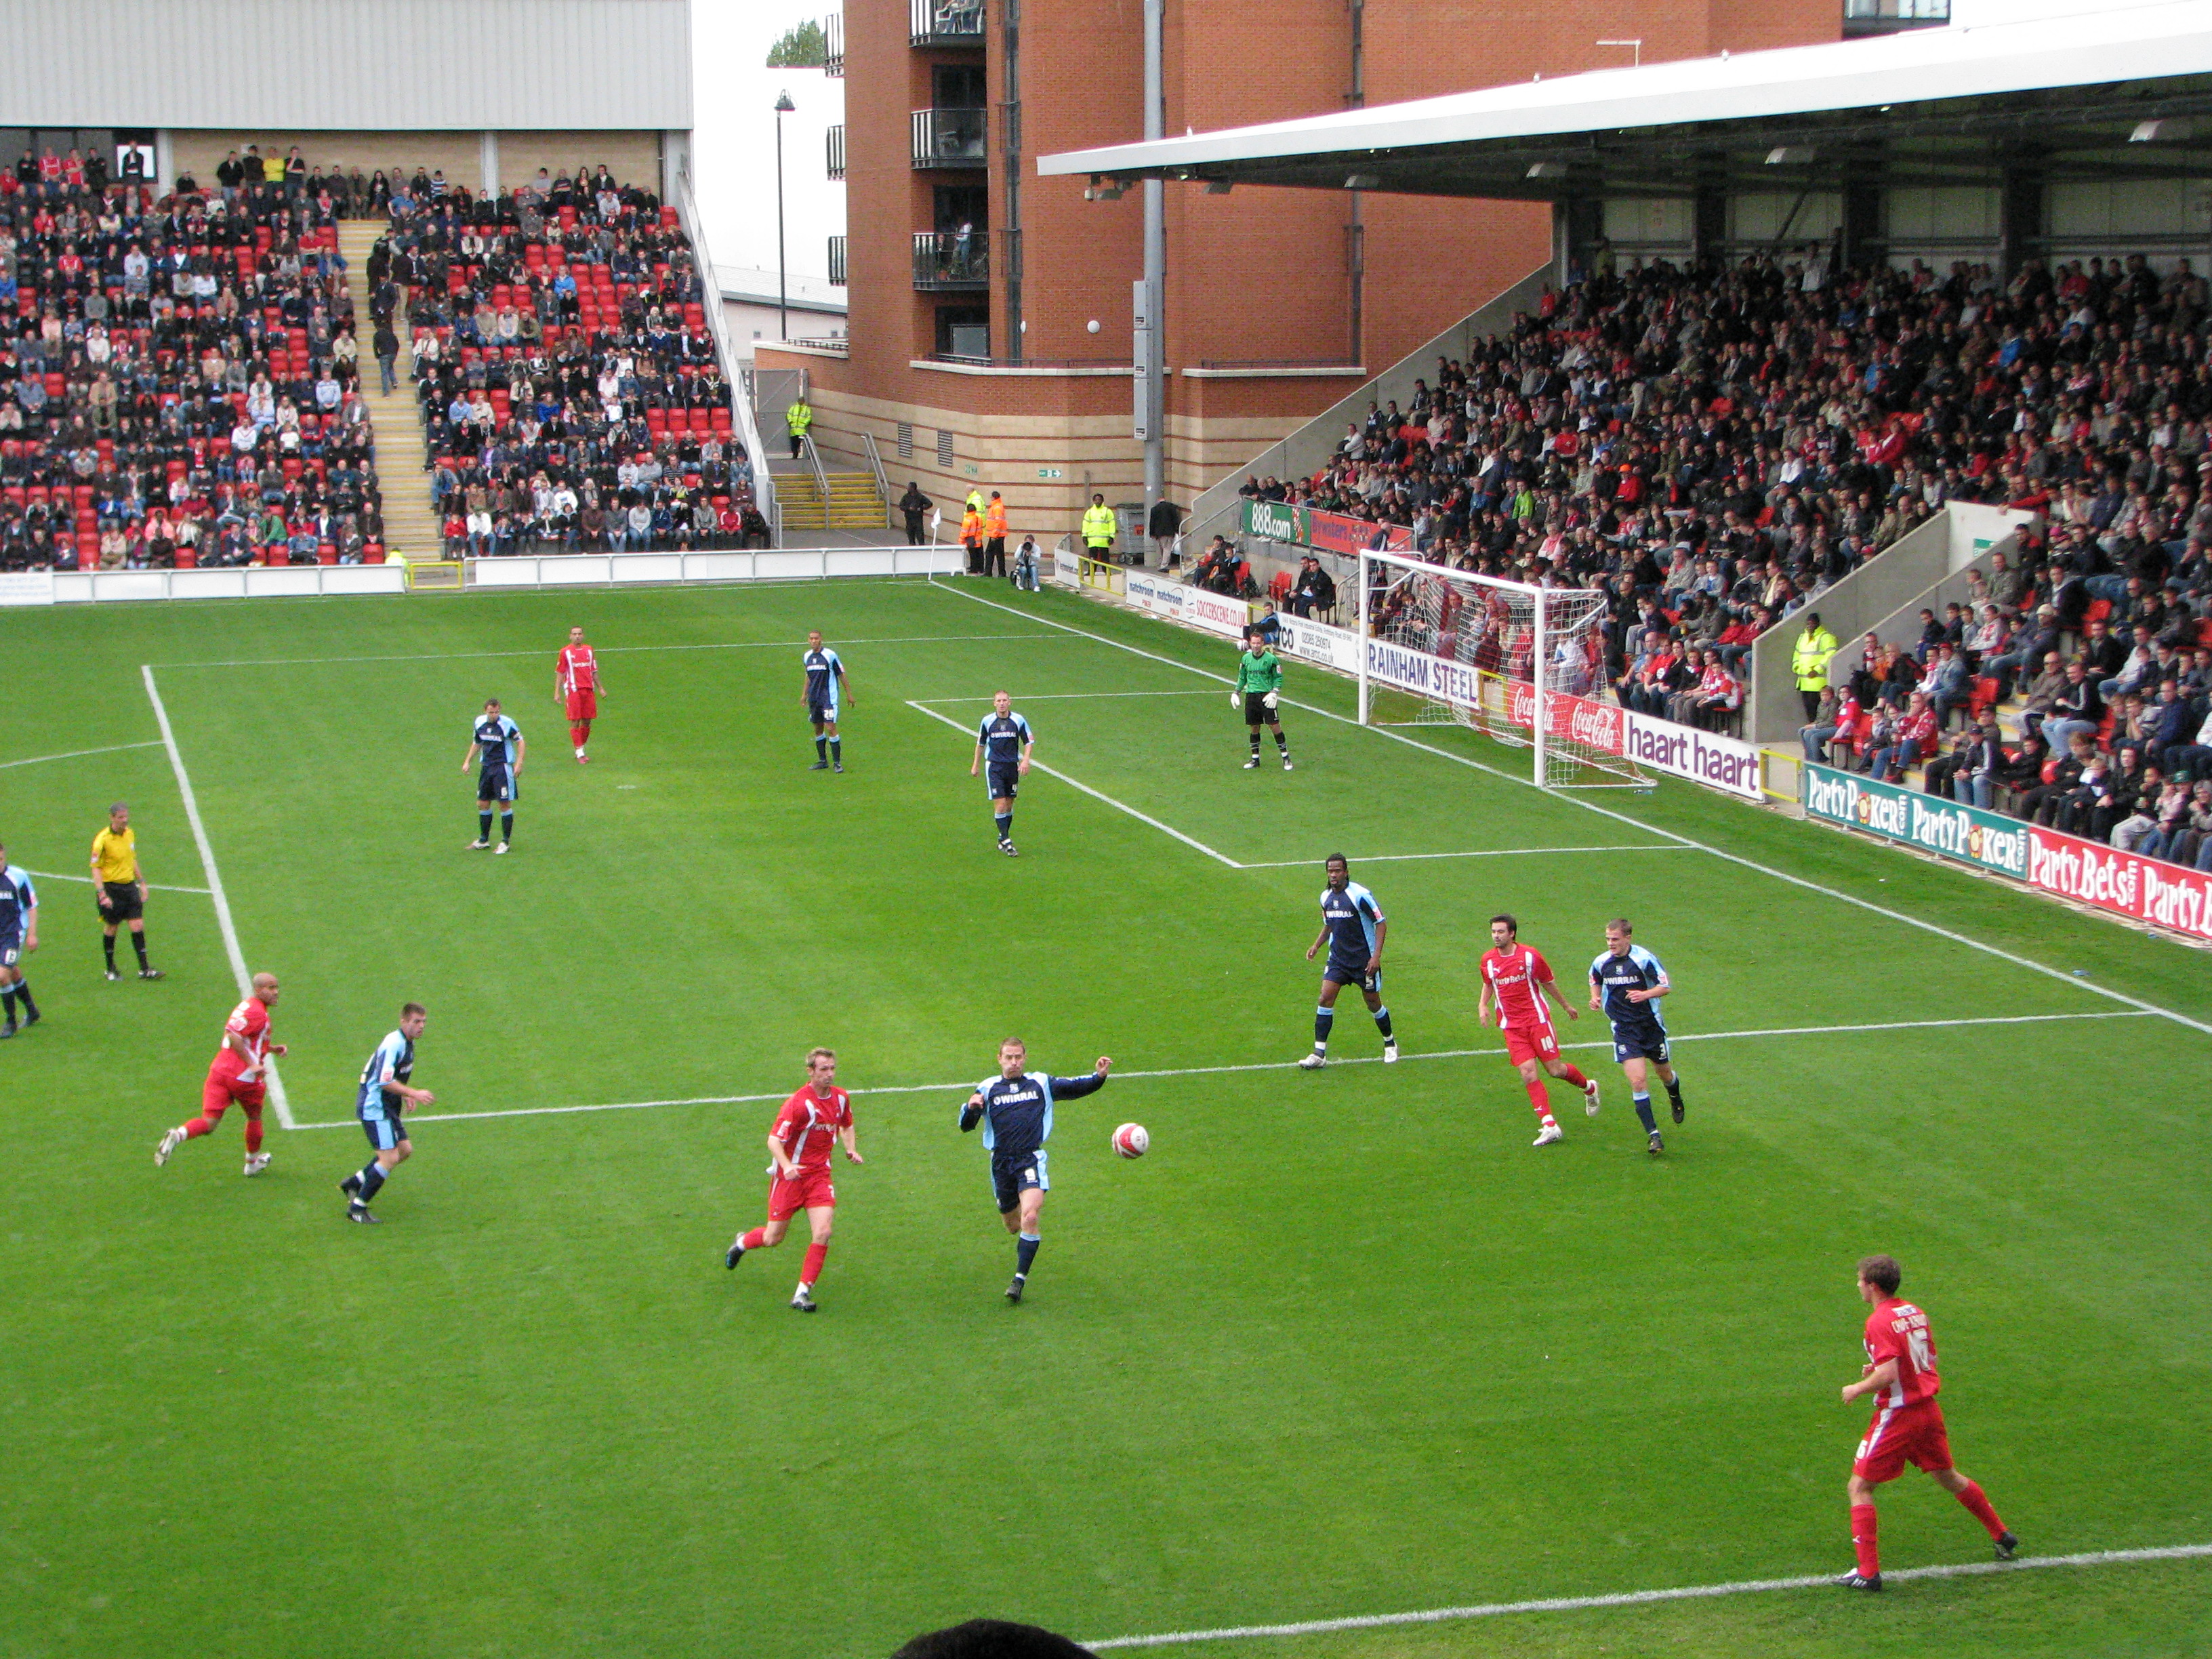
(1130, 1140)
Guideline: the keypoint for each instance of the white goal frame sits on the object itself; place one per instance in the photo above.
(1472, 700)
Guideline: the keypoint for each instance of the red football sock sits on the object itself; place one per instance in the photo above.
(1539, 1096)
(253, 1136)
(754, 1239)
(816, 1253)
(1978, 1505)
(200, 1125)
(1573, 1076)
(1862, 1539)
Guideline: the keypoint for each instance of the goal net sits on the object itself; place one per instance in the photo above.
(1469, 650)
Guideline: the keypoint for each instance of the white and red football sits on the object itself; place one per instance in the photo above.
(1130, 1140)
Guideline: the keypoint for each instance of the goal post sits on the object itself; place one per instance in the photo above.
(1522, 664)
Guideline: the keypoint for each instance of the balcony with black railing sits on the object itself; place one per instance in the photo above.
(834, 148)
(946, 23)
(833, 43)
(1865, 17)
(837, 262)
(951, 138)
(951, 261)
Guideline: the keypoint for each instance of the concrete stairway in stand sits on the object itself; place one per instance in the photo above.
(410, 523)
(854, 501)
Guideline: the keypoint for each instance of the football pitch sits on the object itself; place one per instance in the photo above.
(1343, 1345)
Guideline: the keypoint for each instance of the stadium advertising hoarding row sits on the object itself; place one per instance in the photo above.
(1330, 532)
(1708, 757)
(1214, 613)
(2088, 871)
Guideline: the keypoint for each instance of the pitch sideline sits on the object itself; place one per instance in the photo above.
(2044, 968)
(1641, 1598)
(222, 920)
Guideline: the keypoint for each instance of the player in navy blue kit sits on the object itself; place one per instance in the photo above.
(1015, 1110)
(1627, 981)
(1003, 741)
(384, 1099)
(1354, 928)
(19, 933)
(497, 742)
(828, 686)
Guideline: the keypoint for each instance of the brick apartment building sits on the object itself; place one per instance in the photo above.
(990, 311)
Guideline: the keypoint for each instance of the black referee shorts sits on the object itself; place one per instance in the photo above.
(124, 903)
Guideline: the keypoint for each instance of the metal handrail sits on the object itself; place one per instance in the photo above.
(739, 377)
(814, 459)
(883, 478)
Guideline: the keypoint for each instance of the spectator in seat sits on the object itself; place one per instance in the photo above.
(1313, 590)
(2075, 707)
(1911, 736)
(1948, 685)
(1838, 712)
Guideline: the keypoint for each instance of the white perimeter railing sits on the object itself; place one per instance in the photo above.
(737, 376)
(522, 570)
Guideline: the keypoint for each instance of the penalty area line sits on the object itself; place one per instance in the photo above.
(1852, 899)
(604, 650)
(1643, 1598)
(222, 920)
(1094, 794)
(55, 875)
(1486, 852)
(1134, 1073)
(75, 754)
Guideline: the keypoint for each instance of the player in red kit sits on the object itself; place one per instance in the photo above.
(238, 1074)
(1520, 977)
(1908, 1424)
(576, 687)
(799, 1141)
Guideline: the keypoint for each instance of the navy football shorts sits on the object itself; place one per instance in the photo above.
(1005, 781)
(384, 1133)
(495, 783)
(1646, 1041)
(1011, 1178)
(1348, 973)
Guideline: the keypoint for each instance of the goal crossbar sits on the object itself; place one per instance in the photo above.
(1474, 650)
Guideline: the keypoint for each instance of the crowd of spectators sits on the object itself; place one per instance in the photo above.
(178, 375)
(571, 393)
(1719, 445)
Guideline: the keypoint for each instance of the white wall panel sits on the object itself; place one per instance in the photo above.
(363, 64)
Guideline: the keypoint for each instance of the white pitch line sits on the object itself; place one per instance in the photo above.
(74, 754)
(55, 875)
(1263, 1065)
(1096, 794)
(2059, 974)
(228, 928)
(1643, 1598)
(1066, 697)
(1487, 853)
(604, 650)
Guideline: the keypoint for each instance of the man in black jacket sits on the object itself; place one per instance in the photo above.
(1164, 525)
(913, 506)
(1315, 589)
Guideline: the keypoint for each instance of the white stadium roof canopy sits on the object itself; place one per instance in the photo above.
(2121, 93)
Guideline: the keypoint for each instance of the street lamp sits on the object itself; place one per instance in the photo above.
(783, 107)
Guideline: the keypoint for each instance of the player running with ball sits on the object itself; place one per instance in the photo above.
(799, 1141)
(1259, 689)
(1015, 1109)
(1519, 977)
(1354, 928)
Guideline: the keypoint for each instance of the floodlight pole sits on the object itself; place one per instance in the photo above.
(783, 107)
(1150, 367)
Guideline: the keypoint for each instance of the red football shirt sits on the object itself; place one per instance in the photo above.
(577, 670)
(1898, 1330)
(1513, 975)
(807, 1126)
(249, 1021)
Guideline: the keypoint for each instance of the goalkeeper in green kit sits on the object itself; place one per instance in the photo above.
(1259, 689)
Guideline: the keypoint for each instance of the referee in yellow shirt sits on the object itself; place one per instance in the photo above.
(120, 887)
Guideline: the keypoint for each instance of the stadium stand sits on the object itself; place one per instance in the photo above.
(178, 377)
(570, 392)
(1718, 447)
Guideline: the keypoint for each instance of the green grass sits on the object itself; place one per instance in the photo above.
(1342, 1345)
